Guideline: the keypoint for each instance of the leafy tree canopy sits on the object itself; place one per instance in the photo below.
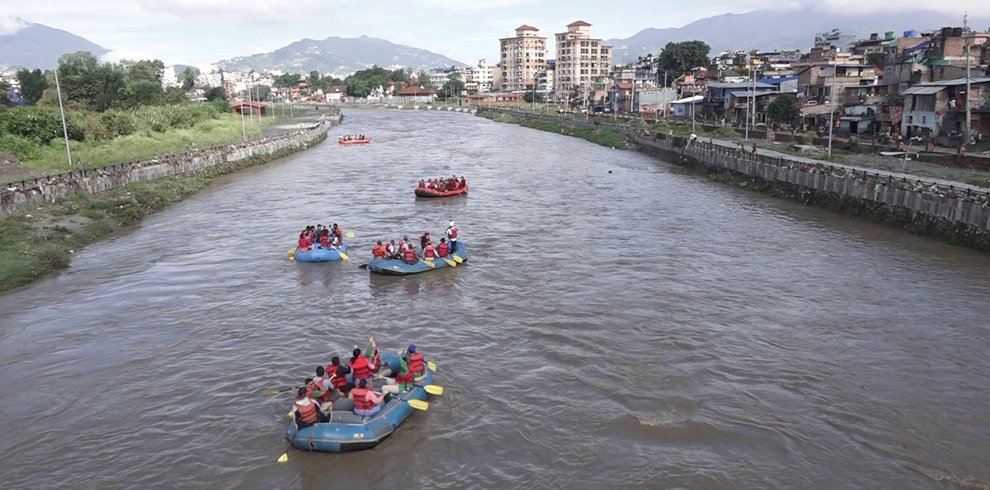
(784, 110)
(679, 58)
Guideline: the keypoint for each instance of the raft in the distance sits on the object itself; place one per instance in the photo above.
(349, 432)
(320, 254)
(426, 192)
(354, 142)
(396, 267)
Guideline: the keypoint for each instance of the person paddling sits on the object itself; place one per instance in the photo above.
(307, 412)
(366, 401)
(452, 236)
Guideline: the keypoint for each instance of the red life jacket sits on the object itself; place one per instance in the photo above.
(360, 368)
(304, 244)
(452, 233)
(339, 380)
(416, 363)
(325, 240)
(403, 246)
(378, 251)
(410, 255)
(404, 379)
(429, 252)
(389, 248)
(307, 413)
(376, 362)
(443, 249)
(360, 400)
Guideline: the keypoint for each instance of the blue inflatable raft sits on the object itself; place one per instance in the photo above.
(320, 254)
(395, 267)
(349, 432)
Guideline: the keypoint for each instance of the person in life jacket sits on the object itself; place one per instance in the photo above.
(415, 361)
(452, 236)
(307, 412)
(402, 246)
(366, 401)
(410, 256)
(422, 184)
(324, 239)
(390, 250)
(424, 239)
(361, 367)
(429, 252)
(463, 182)
(443, 249)
(322, 384)
(304, 242)
(404, 377)
(339, 373)
(378, 251)
(338, 233)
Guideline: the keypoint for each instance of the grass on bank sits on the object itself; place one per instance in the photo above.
(225, 129)
(602, 136)
(42, 240)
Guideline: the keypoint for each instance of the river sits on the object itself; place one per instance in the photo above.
(621, 322)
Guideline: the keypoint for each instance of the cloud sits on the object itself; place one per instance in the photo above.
(11, 25)
(241, 11)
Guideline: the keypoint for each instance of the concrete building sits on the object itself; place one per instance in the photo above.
(583, 64)
(480, 77)
(937, 109)
(523, 57)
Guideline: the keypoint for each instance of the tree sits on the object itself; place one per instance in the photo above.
(424, 79)
(77, 73)
(784, 110)
(189, 76)
(877, 59)
(4, 89)
(679, 58)
(453, 87)
(33, 85)
(261, 92)
(286, 80)
(532, 95)
(216, 93)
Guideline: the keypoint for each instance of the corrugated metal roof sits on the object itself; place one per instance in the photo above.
(923, 90)
(740, 85)
(748, 93)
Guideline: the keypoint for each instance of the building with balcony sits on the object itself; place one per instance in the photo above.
(583, 64)
(480, 77)
(523, 57)
(938, 109)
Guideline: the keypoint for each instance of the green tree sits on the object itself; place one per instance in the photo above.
(189, 76)
(261, 92)
(452, 88)
(363, 82)
(424, 79)
(4, 89)
(286, 80)
(877, 59)
(216, 94)
(33, 85)
(679, 58)
(784, 110)
(532, 95)
(77, 73)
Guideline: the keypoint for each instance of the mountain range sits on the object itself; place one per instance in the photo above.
(780, 29)
(30, 45)
(27, 45)
(339, 56)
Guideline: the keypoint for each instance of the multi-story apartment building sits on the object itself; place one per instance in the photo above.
(479, 78)
(523, 58)
(583, 64)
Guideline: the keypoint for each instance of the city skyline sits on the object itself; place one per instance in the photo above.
(170, 30)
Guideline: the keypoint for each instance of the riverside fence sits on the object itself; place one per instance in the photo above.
(21, 195)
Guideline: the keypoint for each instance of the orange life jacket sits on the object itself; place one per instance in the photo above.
(410, 255)
(443, 249)
(360, 399)
(308, 413)
(416, 363)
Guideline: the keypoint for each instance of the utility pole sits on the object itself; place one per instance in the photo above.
(831, 108)
(969, 114)
(65, 129)
(746, 134)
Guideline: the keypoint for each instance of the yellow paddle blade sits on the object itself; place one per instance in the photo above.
(434, 389)
(429, 263)
(343, 255)
(432, 366)
(283, 458)
(350, 234)
(418, 404)
(292, 251)
(450, 262)
(458, 259)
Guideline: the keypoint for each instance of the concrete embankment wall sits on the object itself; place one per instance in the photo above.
(22, 195)
(958, 214)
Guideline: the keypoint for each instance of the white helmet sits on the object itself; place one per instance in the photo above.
(451, 223)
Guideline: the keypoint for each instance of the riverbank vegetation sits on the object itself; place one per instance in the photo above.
(115, 112)
(603, 136)
(42, 241)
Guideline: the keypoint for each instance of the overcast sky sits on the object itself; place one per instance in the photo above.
(200, 32)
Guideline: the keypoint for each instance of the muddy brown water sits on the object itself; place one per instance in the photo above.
(643, 328)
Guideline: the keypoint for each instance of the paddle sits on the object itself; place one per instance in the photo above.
(341, 252)
(275, 392)
(350, 234)
(292, 251)
(363, 266)
(449, 262)
(432, 366)
(458, 259)
(433, 389)
(418, 404)
(285, 456)
(429, 263)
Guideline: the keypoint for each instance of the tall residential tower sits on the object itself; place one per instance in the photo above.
(523, 58)
(583, 63)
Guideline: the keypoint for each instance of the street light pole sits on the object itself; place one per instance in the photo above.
(969, 114)
(61, 110)
(831, 109)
